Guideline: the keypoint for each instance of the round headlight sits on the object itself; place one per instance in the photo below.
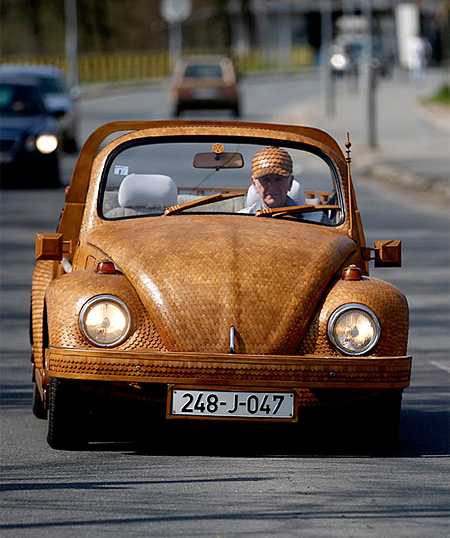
(354, 329)
(46, 143)
(105, 320)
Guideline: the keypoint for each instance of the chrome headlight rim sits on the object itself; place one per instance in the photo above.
(344, 309)
(100, 299)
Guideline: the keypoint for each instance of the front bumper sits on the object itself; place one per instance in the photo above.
(219, 370)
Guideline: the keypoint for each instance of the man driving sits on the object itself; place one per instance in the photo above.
(272, 179)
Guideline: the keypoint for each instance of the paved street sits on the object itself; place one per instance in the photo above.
(125, 490)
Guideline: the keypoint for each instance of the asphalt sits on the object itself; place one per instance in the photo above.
(412, 139)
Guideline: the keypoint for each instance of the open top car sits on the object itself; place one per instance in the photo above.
(170, 282)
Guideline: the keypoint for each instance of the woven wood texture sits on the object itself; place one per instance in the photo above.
(384, 299)
(271, 160)
(197, 276)
(233, 371)
(42, 276)
(67, 295)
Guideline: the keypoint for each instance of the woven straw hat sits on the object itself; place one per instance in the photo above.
(271, 160)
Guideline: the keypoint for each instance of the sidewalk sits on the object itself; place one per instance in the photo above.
(413, 141)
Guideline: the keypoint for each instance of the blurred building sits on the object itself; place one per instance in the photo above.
(289, 23)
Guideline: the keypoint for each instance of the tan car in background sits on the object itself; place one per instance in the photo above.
(204, 83)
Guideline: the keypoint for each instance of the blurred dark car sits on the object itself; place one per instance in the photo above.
(58, 98)
(347, 56)
(29, 137)
(204, 83)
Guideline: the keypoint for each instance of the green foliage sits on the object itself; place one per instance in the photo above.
(33, 27)
(442, 96)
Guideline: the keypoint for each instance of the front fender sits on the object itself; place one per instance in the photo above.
(386, 301)
(66, 296)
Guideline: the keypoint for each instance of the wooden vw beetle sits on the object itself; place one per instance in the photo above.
(170, 281)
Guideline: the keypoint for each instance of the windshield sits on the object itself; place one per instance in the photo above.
(215, 176)
(20, 100)
(52, 85)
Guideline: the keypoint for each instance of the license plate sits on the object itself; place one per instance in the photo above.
(232, 404)
(5, 158)
(206, 93)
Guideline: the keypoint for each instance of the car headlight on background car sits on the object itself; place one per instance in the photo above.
(354, 329)
(46, 143)
(105, 320)
(339, 61)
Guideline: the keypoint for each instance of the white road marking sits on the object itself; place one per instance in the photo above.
(441, 366)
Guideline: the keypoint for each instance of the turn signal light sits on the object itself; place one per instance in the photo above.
(105, 267)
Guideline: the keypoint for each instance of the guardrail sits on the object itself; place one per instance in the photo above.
(111, 67)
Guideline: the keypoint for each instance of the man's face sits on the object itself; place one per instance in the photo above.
(273, 189)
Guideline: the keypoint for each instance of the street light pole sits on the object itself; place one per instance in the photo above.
(174, 12)
(71, 43)
(326, 20)
(370, 77)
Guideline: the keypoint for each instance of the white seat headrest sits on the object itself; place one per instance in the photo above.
(296, 193)
(148, 190)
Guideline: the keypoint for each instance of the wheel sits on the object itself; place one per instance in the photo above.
(70, 145)
(39, 410)
(378, 423)
(67, 416)
(52, 178)
(236, 111)
(368, 427)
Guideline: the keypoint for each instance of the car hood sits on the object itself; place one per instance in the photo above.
(15, 126)
(57, 102)
(198, 276)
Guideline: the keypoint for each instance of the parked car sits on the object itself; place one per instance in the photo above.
(58, 98)
(29, 137)
(204, 83)
(164, 285)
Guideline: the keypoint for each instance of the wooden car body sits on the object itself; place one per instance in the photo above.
(222, 308)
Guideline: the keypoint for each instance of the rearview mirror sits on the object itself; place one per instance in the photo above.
(218, 160)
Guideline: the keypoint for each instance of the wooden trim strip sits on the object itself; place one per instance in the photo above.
(225, 370)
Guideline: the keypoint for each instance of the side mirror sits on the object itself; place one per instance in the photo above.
(388, 253)
(50, 246)
(385, 253)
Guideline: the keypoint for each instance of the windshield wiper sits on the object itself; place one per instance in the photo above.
(276, 212)
(172, 210)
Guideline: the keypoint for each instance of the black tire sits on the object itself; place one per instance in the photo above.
(52, 177)
(369, 427)
(236, 111)
(39, 410)
(67, 416)
(378, 423)
(70, 145)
